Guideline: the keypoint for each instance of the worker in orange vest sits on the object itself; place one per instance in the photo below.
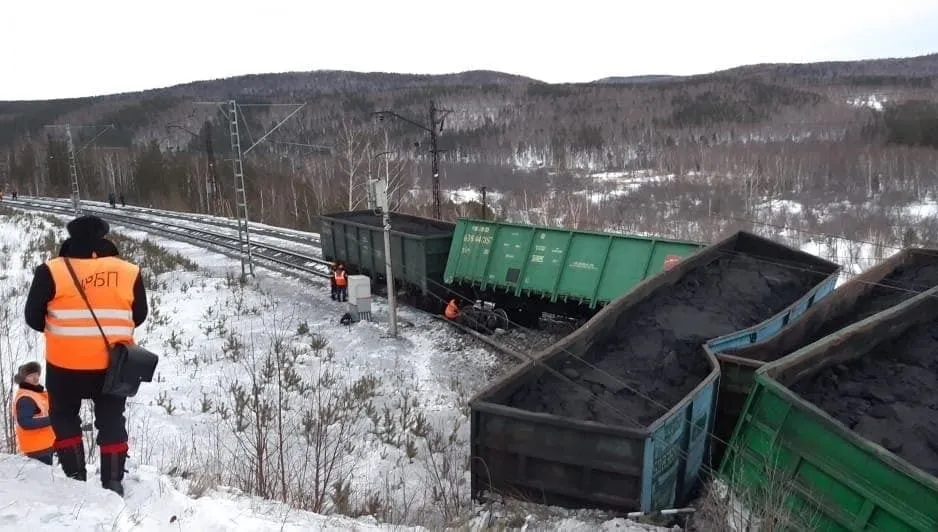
(335, 266)
(452, 310)
(76, 353)
(34, 434)
(341, 283)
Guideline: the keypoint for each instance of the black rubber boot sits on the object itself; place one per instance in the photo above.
(72, 460)
(112, 472)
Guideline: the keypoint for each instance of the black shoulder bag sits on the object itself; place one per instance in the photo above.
(128, 364)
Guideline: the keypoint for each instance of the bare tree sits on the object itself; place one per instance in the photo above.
(353, 149)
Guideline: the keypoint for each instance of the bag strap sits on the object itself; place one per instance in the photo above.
(85, 298)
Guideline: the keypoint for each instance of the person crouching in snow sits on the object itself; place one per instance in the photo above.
(34, 435)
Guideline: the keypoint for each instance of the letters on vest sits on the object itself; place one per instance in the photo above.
(33, 440)
(73, 341)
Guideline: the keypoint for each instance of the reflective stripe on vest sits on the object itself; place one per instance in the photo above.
(33, 440)
(340, 278)
(73, 340)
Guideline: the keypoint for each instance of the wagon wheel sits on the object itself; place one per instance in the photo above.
(502, 318)
(490, 319)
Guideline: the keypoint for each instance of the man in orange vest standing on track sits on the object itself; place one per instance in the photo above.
(76, 353)
(34, 434)
(341, 283)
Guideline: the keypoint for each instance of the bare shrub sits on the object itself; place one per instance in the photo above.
(8, 365)
(740, 503)
(296, 428)
(445, 464)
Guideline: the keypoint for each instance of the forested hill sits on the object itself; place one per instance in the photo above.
(497, 114)
(827, 118)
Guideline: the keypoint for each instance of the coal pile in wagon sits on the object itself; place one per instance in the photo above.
(887, 395)
(653, 358)
(902, 284)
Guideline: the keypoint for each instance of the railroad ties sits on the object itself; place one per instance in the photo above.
(278, 258)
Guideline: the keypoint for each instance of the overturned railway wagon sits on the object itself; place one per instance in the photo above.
(617, 414)
(523, 269)
(889, 283)
(843, 431)
(527, 269)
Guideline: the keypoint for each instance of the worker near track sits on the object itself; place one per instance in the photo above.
(34, 435)
(451, 312)
(76, 354)
(335, 266)
(340, 278)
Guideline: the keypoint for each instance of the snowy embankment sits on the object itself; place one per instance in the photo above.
(37, 497)
(260, 395)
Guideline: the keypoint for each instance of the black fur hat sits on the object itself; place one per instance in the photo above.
(87, 227)
(26, 369)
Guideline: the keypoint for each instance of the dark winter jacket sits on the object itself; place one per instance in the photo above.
(42, 289)
(26, 408)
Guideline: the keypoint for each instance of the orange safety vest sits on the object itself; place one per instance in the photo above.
(33, 440)
(452, 310)
(340, 278)
(73, 340)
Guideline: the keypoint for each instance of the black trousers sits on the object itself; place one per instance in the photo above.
(67, 388)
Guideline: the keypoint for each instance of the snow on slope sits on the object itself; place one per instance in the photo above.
(873, 101)
(34, 496)
(213, 336)
(467, 194)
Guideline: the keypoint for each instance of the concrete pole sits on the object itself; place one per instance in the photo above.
(392, 295)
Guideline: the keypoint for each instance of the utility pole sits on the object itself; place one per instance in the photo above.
(212, 201)
(435, 127)
(72, 159)
(241, 202)
(383, 202)
(36, 166)
(73, 170)
(484, 209)
(435, 163)
(215, 201)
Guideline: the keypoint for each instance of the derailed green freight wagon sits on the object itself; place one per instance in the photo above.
(564, 460)
(791, 456)
(419, 246)
(898, 278)
(556, 265)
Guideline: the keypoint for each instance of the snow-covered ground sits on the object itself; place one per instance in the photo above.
(35, 495)
(367, 425)
(873, 101)
(856, 256)
(601, 186)
(397, 414)
(467, 194)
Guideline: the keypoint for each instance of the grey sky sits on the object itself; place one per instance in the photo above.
(67, 49)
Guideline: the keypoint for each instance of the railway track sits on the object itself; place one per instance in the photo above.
(517, 344)
(275, 257)
(292, 235)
